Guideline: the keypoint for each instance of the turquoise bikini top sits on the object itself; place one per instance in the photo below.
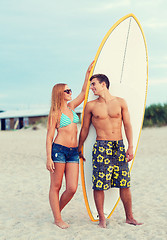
(65, 120)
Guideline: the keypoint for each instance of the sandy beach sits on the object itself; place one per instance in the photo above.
(25, 213)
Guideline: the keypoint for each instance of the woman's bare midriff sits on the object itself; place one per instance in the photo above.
(67, 136)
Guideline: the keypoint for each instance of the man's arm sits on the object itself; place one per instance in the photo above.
(128, 130)
(85, 128)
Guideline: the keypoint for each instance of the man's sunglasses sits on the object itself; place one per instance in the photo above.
(68, 91)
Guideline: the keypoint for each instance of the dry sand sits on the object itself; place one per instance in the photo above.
(24, 184)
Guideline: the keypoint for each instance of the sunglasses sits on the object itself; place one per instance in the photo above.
(68, 91)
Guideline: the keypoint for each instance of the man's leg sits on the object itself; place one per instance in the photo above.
(126, 198)
(99, 201)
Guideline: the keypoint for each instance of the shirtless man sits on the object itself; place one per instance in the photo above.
(110, 162)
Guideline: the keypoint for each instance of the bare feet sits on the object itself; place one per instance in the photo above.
(133, 222)
(62, 224)
(102, 223)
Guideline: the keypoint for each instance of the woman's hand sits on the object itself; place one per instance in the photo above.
(89, 69)
(50, 165)
(80, 98)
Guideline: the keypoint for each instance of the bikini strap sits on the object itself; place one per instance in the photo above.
(70, 109)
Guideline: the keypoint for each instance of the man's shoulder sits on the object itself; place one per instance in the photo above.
(91, 103)
(121, 100)
(122, 103)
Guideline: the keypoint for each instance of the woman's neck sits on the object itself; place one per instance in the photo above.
(64, 106)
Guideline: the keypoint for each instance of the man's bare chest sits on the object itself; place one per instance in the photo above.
(103, 111)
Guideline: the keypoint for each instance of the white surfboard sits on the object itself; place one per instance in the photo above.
(122, 57)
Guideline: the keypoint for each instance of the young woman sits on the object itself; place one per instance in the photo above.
(62, 151)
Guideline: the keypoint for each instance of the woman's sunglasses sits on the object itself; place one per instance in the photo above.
(68, 91)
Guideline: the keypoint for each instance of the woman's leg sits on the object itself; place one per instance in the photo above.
(71, 175)
(55, 185)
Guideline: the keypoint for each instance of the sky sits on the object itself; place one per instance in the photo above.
(44, 42)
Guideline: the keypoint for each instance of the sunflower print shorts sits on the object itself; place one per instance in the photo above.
(110, 168)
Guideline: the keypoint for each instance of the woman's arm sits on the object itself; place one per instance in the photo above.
(80, 98)
(49, 140)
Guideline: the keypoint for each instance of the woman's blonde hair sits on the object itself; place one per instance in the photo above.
(57, 102)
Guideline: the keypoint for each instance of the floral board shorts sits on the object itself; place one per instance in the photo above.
(110, 168)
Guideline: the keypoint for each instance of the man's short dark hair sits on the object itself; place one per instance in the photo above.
(101, 78)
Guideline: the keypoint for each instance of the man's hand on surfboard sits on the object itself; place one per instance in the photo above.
(129, 154)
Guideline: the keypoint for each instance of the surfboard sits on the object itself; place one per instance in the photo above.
(123, 58)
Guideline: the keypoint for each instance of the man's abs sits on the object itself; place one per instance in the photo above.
(108, 129)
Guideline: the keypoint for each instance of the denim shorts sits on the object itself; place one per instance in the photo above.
(62, 154)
